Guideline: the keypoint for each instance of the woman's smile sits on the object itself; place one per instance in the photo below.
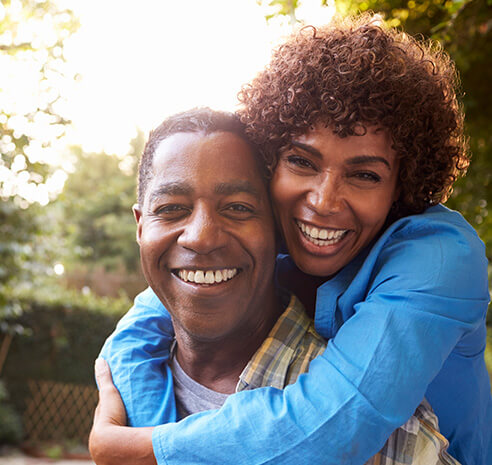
(332, 195)
(320, 236)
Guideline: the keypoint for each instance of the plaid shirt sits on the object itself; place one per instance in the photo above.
(286, 353)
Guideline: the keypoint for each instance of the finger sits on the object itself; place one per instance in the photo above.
(103, 373)
(110, 407)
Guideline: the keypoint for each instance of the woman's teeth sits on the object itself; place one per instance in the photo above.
(207, 277)
(321, 236)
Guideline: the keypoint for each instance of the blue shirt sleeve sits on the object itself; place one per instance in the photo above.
(426, 290)
(137, 353)
(422, 292)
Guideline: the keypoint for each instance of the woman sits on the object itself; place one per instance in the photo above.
(363, 134)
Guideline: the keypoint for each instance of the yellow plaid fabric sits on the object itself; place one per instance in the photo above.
(285, 354)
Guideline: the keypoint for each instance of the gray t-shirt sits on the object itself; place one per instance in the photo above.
(192, 397)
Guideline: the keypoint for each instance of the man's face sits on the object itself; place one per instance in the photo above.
(206, 234)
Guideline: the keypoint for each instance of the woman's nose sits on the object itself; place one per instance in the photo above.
(325, 196)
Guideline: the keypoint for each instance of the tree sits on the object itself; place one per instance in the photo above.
(32, 34)
(95, 206)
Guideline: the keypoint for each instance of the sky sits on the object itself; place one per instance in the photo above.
(141, 61)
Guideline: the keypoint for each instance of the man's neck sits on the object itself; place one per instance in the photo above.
(217, 364)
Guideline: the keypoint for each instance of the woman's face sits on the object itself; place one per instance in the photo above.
(332, 195)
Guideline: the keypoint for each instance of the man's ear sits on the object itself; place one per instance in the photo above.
(137, 213)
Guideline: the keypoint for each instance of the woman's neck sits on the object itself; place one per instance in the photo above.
(303, 285)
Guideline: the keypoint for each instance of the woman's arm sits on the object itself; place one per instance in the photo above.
(371, 377)
(137, 353)
(110, 441)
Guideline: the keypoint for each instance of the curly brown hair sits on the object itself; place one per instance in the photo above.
(354, 73)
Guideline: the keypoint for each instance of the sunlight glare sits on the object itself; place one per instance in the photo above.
(156, 59)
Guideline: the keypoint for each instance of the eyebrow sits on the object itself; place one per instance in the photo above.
(361, 159)
(170, 188)
(183, 188)
(308, 148)
(235, 187)
(358, 160)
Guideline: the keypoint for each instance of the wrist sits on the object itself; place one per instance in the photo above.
(113, 445)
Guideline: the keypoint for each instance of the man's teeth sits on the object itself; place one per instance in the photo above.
(207, 277)
(321, 236)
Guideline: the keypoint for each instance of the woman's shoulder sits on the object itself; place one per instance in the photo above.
(442, 221)
(437, 249)
(438, 231)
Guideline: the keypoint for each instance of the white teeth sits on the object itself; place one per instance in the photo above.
(207, 277)
(321, 237)
(199, 277)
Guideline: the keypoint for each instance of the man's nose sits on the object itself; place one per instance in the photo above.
(325, 197)
(203, 232)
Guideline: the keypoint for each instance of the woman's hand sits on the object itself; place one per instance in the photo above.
(110, 410)
(111, 442)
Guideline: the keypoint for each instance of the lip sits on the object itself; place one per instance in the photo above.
(321, 250)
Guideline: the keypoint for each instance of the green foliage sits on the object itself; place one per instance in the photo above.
(95, 209)
(488, 352)
(67, 330)
(17, 234)
(10, 422)
(29, 132)
(54, 452)
(277, 8)
(26, 133)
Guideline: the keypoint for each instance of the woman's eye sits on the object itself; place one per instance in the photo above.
(367, 176)
(299, 161)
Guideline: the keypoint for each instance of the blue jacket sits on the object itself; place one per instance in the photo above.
(405, 319)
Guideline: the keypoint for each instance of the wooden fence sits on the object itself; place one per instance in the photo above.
(57, 411)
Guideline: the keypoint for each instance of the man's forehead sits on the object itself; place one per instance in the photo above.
(219, 163)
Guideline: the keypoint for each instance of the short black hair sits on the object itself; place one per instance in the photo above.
(203, 120)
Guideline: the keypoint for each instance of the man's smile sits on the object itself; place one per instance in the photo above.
(198, 276)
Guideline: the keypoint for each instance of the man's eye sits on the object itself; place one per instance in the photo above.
(170, 210)
(239, 209)
(299, 161)
(368, 176)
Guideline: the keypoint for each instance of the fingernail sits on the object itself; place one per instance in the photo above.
(100, 366)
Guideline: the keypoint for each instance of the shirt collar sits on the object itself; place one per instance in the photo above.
(269, 364)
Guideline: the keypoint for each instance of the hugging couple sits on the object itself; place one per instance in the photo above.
(310, 300)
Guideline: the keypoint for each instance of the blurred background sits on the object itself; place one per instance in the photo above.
(81, 84)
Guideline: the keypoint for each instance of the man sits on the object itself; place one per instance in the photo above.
(207, 244)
